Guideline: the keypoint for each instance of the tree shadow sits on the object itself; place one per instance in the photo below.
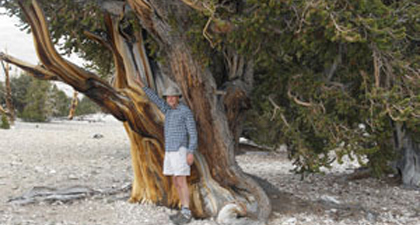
(285, 203)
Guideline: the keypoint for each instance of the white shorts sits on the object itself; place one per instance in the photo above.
(175, 163)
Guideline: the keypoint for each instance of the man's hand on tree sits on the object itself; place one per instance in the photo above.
(190, 159)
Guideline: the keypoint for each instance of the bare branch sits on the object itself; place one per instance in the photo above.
(394, 118)
(117, 101)
(202, 6)
(276, 107)
(341, 29)
(38, 72)
(284, 120)
(98, 39)
(205, 33)
(377, 66)
(299, 102)
(195, 4)
(302, 17)
(337, 61)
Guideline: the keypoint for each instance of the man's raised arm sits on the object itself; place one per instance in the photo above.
(160, 103)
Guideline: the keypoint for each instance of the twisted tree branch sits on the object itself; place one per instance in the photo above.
(38, 72)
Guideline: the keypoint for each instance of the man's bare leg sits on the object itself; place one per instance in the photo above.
(177, 187)
(184, 216)
(185, 193)
(175, 182)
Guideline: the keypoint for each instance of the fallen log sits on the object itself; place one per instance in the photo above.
(64, 195)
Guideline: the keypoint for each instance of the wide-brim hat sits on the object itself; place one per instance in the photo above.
(172, 91)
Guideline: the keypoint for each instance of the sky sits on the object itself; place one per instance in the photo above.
(20, 45)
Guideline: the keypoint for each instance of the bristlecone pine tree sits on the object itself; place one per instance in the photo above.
(217, 183)
(325, 75)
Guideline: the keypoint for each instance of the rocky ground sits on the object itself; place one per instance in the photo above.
(95, 154)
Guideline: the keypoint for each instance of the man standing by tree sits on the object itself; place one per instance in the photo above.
(180, 144)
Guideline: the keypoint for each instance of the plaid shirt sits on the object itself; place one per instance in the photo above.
(178, 123)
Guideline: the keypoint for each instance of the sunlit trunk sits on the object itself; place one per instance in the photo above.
(73, 105)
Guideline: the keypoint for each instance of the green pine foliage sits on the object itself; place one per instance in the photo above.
(57, 102)
(37, 101)
(35, 109)
(87, 106)
(4, 122)
(42, 100)
(2, 94)
(341, 73)
(19, 85)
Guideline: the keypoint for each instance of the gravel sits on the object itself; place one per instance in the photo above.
(95, 153)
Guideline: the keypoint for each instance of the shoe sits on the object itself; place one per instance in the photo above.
(180, 219)
(176, 215)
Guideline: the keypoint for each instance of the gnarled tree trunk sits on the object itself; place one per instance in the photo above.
(408, 164)
(218, 186)
(9, 103)
(73, 105)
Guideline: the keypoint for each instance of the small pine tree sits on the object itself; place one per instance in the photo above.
(35, 102)
(20, 85)
(57, 102)
(4, 122)
(87, 106)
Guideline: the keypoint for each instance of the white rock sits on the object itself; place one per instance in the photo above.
(73, 177)
(331, 199)
(291, 221)
(38, 169)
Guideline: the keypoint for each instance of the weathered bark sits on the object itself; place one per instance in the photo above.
(236, 100)
(408, 164)
(216, 140)
(9, 103)
(217, 183)
(38, 71)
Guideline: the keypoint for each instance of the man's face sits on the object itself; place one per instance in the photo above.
(172, 101)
